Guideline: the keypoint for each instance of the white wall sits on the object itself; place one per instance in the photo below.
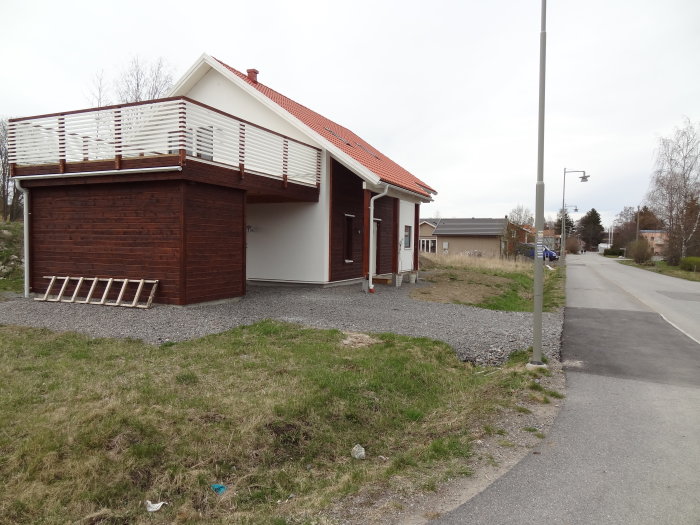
(217, 91)
(286, 241)
(290, 241)
(407, 216)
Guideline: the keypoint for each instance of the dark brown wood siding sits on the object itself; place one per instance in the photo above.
(416, 235)
(347, 198)
(108, 230)
(384, 210)
(214, 242)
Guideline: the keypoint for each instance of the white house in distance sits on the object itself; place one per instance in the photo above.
(223, 182)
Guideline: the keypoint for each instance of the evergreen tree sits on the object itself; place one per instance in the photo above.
(590, 229)
(568, 221)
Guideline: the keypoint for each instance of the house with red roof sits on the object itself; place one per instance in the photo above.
(224, 182)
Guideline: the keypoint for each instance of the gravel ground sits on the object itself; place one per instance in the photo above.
(480, 336)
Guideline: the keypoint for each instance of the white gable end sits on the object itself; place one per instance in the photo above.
(219, 92)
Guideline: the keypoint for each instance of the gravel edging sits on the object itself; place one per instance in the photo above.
(485, 337)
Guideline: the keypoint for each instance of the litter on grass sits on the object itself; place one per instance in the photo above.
(219, 489)
(153, 507)
(358, 452)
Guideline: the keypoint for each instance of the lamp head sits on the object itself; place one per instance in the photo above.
(584, 177)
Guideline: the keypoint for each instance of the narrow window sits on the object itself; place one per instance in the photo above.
(347, 245)
(406, 237)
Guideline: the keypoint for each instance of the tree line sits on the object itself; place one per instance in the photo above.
(672, 203)
(587, 230)
(139, 80)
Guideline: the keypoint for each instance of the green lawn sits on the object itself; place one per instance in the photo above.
(93, 427)
(11, 245)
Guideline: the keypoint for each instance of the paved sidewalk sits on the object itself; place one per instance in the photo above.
(625, 447)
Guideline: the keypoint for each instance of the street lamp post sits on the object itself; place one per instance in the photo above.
(538, 285)
(584, 178)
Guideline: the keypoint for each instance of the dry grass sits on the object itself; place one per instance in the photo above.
(497, 284)
(93, 427)
(493, 264)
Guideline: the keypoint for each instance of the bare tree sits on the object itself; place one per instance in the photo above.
(675, 188)
(99, 94)
(521, 215)
(141, 81)
(5, 181)
(10, 200)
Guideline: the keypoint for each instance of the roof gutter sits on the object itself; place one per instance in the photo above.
(422, 198)
(18, 180)
(97, 173)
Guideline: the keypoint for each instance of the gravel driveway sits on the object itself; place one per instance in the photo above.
(480, 336)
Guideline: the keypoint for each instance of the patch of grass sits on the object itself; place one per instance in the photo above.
(554, 394)
(536, 387)
(11, 247)
(506, 443)
(491, 460)
(516, 297)
(664, 268)
(531, 429)
(269, 410)
(490, 430)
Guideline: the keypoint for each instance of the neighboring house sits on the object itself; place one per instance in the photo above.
(481, 237)
(225, 181)
(552, 240)
(657, 240)
(530, 232)
(428, 241)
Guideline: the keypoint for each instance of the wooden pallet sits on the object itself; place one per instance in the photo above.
(95, 297)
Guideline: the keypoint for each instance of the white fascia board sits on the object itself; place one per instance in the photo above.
(191, 77)
(336, 152)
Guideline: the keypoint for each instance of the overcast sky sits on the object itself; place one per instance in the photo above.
(448, 89)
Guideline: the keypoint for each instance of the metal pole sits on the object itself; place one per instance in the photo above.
(539, 204)
(562, 237)
(611, 236)
(637, 237)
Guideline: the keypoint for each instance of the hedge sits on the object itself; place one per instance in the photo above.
(613, 251)
(691, 264)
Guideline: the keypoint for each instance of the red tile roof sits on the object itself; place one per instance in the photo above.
(386, 169)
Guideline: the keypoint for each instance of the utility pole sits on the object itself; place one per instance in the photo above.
(539, 207)
(637, 237)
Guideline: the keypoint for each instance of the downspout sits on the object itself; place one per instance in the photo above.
(372, 246)
(25, 193)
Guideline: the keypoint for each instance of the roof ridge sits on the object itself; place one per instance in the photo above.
(245, 77)
(376, 162)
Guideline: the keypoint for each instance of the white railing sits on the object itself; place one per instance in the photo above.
(163, 127)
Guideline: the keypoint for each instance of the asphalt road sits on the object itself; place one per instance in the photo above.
(625, 448)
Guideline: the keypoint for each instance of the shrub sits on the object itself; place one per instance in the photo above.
(572, 245)
(615, 252)
(690, 264)
(639, 250)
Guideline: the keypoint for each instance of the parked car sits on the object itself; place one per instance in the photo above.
(528, 250)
